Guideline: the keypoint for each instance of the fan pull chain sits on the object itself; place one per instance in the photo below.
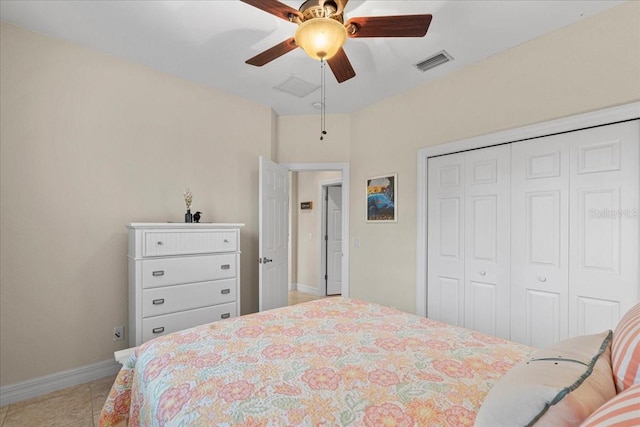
(323, 101)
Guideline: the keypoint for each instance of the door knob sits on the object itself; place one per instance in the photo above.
(542, 279)
(483, 273)
(264, 260)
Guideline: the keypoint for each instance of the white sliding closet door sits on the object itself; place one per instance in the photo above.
(540, 240)
(468, 241)
(603, 268)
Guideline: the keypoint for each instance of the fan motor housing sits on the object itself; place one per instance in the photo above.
(311, 9)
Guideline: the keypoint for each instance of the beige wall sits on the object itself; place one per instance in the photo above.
(590, 65)
(299, 139)
(90, 143)
(306, 235)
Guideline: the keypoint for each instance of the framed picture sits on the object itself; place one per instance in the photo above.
(382, 197)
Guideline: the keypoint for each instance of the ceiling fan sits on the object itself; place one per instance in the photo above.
(321, 31)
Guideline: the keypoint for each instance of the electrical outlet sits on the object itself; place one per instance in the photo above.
(118, 333)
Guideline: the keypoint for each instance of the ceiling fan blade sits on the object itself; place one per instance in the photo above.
(341, 66)
(274, 7)
(272, 53)
(389, 26)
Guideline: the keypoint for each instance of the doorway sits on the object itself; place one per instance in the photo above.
(307, 264)
(312, 232)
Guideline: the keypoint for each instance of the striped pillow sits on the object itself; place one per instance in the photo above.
(621, 411)
(625, 350)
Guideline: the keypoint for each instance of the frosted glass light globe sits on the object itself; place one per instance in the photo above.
(321, 38)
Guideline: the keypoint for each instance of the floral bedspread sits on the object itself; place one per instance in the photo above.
(335, 361)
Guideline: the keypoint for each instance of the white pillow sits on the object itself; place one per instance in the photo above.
(559, 386)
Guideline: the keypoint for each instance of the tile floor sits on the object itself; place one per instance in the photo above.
(77, 406)
(296, 297)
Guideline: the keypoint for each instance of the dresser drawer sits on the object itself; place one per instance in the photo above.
(153, 327)
(181, 242)
(177, 271)
(170, 299)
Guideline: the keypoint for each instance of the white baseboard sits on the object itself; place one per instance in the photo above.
(308, 289)
(42, 385)
(293, 286)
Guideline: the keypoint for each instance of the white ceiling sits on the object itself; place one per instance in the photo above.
(208, 41)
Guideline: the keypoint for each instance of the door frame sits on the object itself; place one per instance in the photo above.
(567, 124)
(344, 169)
(322, 187)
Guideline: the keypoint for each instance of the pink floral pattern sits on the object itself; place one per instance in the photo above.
(321, 379)
(387, 414)
(238, 390)
(453, 368)
(170, 403)
(278, 351)
(335, 361)
(383, 377)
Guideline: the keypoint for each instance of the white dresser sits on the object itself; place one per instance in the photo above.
(180, 276)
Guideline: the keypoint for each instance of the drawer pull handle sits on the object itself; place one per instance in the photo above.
(158, 273)
(542, 279)
(158, 330)
(158, 301)
(225, 315)
(225, 266)
(225, 291)
(226, 240)
(160, 243)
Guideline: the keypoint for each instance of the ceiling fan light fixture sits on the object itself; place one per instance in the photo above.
(321, 38)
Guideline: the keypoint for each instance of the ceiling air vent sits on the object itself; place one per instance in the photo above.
(435, 60)
(297, 87)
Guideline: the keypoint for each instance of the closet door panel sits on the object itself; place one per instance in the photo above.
(445, 266)
(445, 294)
(450, 227)
(483, 212)
(539, 240)
(487, 255)
(482, 315)
(598, 236)
(604, 226)
(542, 215)
(593, 313)
(543, 318)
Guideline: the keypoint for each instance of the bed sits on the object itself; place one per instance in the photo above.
(335, 361)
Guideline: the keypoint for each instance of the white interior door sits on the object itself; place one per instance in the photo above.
(273, 235)
(334, 240)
